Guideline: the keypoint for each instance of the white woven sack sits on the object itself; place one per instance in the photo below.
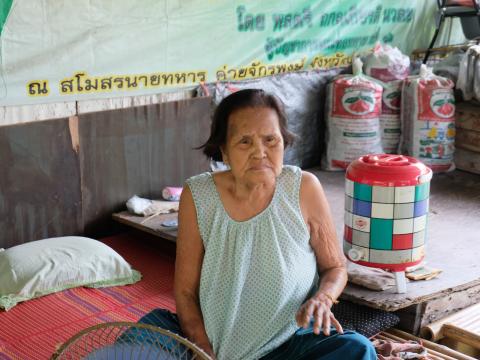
(353, 107)
(428, 120)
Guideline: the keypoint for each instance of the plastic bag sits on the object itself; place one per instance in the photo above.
(391, 67)
(387, 63)
(450, 66)
(466, 73)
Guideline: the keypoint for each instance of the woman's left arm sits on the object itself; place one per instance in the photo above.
(330, 259)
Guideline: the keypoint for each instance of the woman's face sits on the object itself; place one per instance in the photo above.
(254, 147)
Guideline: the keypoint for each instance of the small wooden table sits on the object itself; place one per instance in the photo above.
(151, 225)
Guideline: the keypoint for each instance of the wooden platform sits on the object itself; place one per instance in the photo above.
(453, 245)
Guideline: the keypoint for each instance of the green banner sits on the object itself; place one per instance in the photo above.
(74, 50)
(5, 6)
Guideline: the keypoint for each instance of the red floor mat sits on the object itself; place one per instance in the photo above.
(33, 329)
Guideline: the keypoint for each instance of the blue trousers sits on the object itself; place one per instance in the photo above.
(303, 345)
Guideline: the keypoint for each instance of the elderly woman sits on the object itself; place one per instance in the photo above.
(251, 241)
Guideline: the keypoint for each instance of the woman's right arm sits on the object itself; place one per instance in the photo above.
(188, 265)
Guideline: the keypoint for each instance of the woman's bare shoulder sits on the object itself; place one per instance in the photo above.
(312, 197)
(310, 183)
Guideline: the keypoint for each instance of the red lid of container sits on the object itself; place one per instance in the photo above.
(388, 170)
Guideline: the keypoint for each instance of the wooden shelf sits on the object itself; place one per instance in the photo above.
(150, 225)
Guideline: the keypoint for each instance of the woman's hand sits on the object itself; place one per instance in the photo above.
(318, 308)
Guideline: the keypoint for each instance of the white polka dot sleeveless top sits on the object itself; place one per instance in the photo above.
(255, 273)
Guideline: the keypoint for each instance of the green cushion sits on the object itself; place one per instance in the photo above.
(46, 266)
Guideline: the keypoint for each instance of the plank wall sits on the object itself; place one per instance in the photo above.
(66, 176)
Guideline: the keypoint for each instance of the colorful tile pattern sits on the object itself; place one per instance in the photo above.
(362, 208)
(418, 239)
(383, 194)
(402, 241)
(420, 208)
(381, 234)
(382, 211)
(386, 224)
(348, 234)
(360, 238)
(362, 192)
(422, 191)
(403, 211)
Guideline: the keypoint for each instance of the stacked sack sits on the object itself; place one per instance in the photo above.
(352, 115)
(428, 120)
(387, 111)
(391, 67)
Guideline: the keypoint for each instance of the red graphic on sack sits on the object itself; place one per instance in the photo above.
(392, 98)
(360, 105)
(391, 102)
(435, 102)
(444, 108)
(356, 102)
(395, 99)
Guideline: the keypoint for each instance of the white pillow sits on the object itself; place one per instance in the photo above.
(46, 266)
